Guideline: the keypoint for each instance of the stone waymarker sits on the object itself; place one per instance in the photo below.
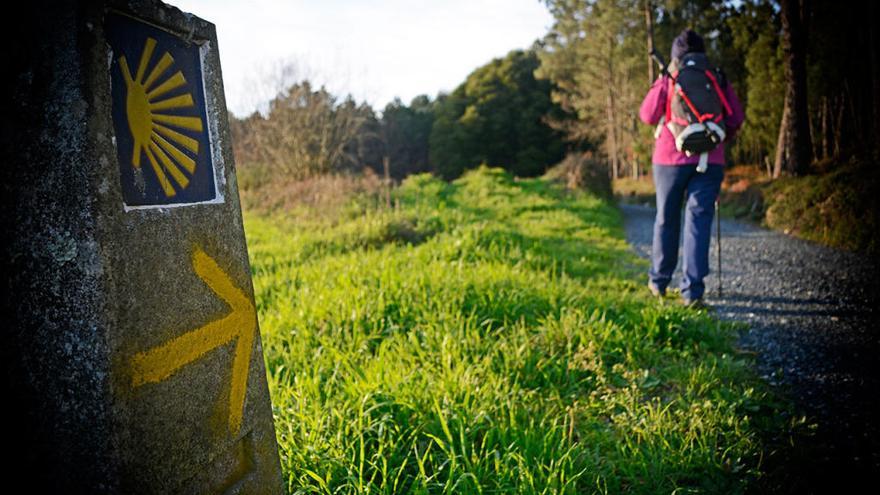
(132, 346)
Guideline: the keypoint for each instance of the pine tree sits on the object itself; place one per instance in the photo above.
(596, 57)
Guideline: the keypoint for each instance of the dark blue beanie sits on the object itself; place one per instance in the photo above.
(686, 42)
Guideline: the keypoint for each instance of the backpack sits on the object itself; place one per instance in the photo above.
(696, 107)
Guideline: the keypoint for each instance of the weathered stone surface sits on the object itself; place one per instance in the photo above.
(124, 324)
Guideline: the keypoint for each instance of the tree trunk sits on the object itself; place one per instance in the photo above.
(783, 151)
(838, 126)
(794, 147)
(612, 136)
(811, 124)
(611, 117)
(649, 26)
(826, 117)
(875, 73)
(386, 168)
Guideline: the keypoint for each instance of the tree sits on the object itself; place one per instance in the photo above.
(874, 40)
(842, 86)
(407, 131)
(595, 57)
(449, 143)
(496, 117)
(794, 150)
(305, 132)
(755, 29)
(649, 27)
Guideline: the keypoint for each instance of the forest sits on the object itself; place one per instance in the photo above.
(806, 72)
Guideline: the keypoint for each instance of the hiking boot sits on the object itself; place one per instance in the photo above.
(657, 291)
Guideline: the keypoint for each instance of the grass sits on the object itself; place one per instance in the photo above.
(634, 190)
(837, 208)
(493, 336)
(328, 196)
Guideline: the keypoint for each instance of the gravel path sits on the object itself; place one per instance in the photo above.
(811, 313)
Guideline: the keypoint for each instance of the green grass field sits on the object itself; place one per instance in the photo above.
(492, 336)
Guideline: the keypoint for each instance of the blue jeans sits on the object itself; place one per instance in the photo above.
(673, 183)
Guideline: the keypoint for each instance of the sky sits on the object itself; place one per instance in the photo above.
(372, 49)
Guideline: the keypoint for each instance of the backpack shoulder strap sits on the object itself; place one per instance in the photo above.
(712, 74)
(670, 93)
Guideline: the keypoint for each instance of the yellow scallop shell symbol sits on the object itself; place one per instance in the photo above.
(151, 129)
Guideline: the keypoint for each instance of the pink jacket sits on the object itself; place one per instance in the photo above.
(654, 107)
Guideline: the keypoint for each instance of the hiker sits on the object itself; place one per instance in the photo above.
(695, 111)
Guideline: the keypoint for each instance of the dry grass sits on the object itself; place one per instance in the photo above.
(324, 195)
(742, 192)
(630, 190)
(582, 171)
(741, 187)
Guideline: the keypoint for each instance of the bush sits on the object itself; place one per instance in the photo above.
(582, 171)
(838, 208)
(323, 195)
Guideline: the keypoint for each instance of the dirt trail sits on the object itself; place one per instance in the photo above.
(812, 314)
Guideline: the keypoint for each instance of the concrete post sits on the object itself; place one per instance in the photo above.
(131, 347)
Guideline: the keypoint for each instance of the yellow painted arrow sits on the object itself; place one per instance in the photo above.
(240, 323)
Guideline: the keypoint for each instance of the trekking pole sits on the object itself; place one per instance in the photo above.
(664, 69)
(718, 239)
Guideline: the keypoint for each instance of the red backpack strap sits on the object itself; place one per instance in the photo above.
(700, 116)
(720, 93)
(670, 92)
